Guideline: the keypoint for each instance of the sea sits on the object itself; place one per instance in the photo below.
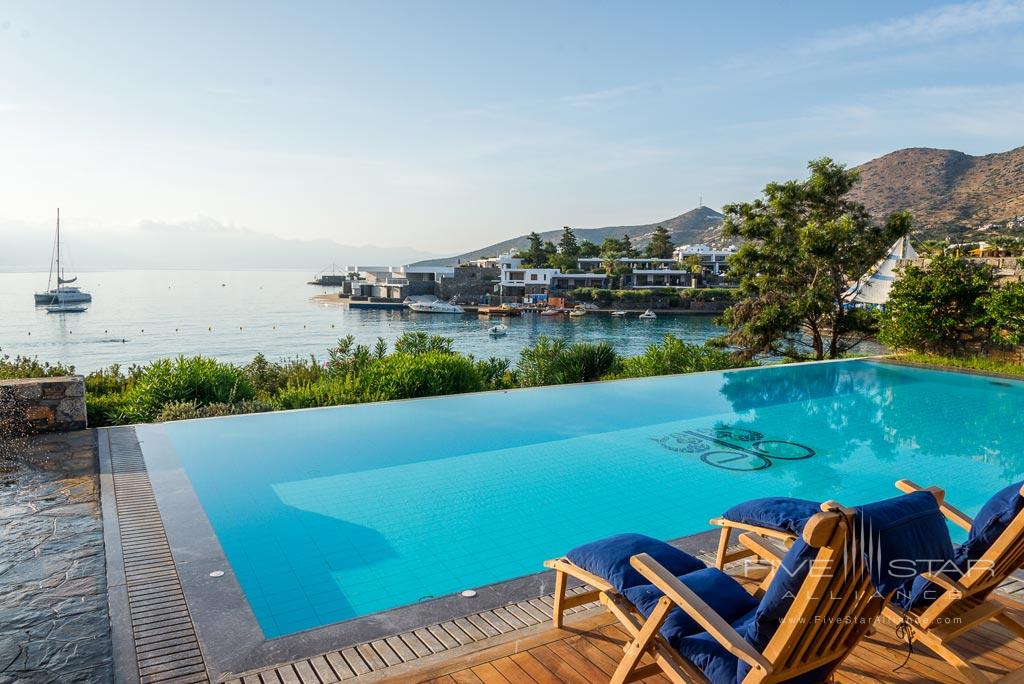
(138, 316)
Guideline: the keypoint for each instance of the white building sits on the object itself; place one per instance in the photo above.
(711, 259)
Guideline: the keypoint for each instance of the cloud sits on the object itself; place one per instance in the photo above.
(609, 94)
(933, 25)
(200, 224)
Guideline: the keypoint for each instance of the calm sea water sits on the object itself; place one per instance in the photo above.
(138, 316)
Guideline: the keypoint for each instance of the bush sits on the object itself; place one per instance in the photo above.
(105, 409)
(676, 356)
(324, 392)
(553, 362)
(426, 374)
(186, 410)
(938, 308)
(30, 367)
(420, 343)
(1005, 309)
(111, 380)
(198, 379)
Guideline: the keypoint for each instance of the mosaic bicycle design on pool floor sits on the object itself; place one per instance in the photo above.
(733, 448)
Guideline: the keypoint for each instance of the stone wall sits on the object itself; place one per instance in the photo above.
(46, 404)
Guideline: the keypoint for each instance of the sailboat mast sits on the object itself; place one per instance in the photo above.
(58, 248)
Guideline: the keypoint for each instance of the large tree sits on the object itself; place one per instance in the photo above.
(589, 249)
(803, 243)
(660, 246)
(535, 256)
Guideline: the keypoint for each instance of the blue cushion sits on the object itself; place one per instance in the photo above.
(609, 558)
(722, 593)
(780, 593)
(901, 538)
(989, 524)
(774, 512)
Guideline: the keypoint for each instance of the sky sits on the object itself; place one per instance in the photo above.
(444, 126)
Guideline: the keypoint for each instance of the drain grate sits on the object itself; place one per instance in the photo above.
(166, 646)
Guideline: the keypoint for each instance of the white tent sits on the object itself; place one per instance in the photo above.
(873, 287)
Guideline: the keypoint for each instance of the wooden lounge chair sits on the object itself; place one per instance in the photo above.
(801, 626)
(958, 601)
(961, 602)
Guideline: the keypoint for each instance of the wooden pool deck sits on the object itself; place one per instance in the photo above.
(587, 650)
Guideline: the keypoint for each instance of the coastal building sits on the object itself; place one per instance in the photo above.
(395, 282)
(711, 260)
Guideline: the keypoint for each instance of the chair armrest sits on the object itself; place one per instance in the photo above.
(694, 606)
(763, 548)
(946, 583)
(953, 514)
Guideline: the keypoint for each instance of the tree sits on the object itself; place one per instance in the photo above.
(803, 242)
(660, 246)
(626, 246)
(535, 256)
(567, 245)
(589, 250)
(937, 308)
(611, 252)
(1005, 309)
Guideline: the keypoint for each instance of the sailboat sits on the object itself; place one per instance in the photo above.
(65, 292)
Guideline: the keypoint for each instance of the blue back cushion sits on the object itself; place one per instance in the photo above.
(780, 594)
(774, 512)
(722, 593)
(609, 558)
(991, 521)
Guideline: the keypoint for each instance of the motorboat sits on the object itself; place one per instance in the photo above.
(551, 312)
(577, 311)
(648, 315)
(619, 314)
(497, 330)
(64, 293)
(435, 306)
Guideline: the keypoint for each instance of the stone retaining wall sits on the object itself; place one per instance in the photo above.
(46, 404)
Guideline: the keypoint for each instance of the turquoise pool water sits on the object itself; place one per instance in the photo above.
(329, 514)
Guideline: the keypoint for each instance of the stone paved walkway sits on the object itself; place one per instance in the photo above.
(53, 608)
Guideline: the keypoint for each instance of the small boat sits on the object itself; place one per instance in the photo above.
(62, 294)
(648, 315)
(618, 313)
(497, 330)
(434, 306)
(503, 310)
(578, 310)
(65, 308)
(551, 312)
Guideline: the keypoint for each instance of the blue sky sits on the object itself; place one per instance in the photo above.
(446, 125)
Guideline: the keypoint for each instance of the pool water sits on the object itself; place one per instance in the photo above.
(330, 514)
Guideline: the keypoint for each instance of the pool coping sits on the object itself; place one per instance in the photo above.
(228, 633)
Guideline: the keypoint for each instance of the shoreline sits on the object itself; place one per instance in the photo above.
(335, 300)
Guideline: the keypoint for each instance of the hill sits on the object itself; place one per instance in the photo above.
(951, 194)
(695, 225)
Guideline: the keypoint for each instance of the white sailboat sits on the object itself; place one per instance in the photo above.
(64, 293)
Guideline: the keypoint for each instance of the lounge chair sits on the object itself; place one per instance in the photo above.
(700, 625)
(944, 604)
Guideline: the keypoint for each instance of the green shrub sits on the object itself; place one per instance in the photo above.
(676, 356)
(1005, 308)
(198, 379)
(105, 409)
(185, 410)
(328, 391)
(30, 367)
(420, 343)
(495, 373)
(426, 374)
(552, 362)
(111, 380)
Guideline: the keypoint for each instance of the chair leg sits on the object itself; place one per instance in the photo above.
(636, 648)
(966, 670)
(723, 547)
(558, 609)
(1010, 624)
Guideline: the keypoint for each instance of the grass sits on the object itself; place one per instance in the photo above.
(984, 364)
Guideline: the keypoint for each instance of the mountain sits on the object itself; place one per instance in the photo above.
(693, 226)
(949, 193)
(191, 244)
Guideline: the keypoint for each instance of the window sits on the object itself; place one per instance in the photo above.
(533, 276)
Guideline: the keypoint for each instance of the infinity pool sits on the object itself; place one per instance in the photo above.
(329, 514)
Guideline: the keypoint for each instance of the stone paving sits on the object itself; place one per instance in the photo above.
(54, 622)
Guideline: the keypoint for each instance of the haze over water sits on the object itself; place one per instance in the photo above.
(139, 316)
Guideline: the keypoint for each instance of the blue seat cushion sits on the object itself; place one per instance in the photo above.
(779, 596)
(609, 558)
(991, 521)
(774, 512)
(722, 593)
